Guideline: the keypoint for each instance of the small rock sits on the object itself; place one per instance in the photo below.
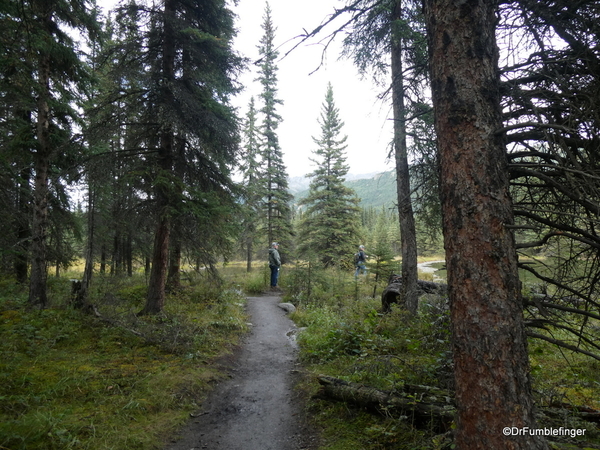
(287, 307)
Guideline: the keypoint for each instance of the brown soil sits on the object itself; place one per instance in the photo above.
(258, 407)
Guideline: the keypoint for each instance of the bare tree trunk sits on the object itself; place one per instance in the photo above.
(116, 254)
(428, 407)
(174, 275)
(103, 259)
(22, 224)
(249, 251)
(81, 299)
(129, 254)
(408, 234)
(155, 301)
(493, 390)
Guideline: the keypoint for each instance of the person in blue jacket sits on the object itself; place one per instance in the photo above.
(360, 260)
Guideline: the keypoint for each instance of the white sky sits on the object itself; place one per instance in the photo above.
(366, 118)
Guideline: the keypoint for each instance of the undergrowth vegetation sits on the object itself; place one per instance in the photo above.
(119, 381)
(344, 335)
(113, 381)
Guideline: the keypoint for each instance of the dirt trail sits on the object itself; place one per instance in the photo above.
(257, 408)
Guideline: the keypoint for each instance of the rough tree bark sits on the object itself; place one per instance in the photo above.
(155, 300)
(408, 234)
(493, 390)
(174, 274)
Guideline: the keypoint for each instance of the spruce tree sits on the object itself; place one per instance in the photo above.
(329, 227)
(252, 184)
(275, 180)
(183, 129)
(42, 74)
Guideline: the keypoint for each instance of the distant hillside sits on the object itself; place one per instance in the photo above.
(374, 190)
(377, 191)
(298, 185)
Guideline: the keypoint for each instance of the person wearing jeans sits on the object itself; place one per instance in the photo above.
(361, 259)
(274, 263)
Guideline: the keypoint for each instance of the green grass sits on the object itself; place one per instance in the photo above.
(72, 381)
(75, 381)
(344, 336)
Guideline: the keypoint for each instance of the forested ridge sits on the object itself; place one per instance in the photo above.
(129, 182)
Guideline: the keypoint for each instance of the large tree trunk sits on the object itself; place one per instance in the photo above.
(155, 300)
(408, 234)
(174, 275)
(493, 390)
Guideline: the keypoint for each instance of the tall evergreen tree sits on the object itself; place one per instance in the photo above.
(41, 61)
(252, 184)
(387, 37)
(329, 228)
(276, 194)
(181, 125)
(408, 232)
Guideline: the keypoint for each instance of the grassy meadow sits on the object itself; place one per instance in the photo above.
(74, 381)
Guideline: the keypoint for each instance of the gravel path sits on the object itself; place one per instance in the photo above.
(257, 408)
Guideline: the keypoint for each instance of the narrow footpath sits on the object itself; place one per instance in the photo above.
(257, 408)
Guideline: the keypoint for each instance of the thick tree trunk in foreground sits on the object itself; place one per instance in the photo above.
(490, 348)
(408, 234)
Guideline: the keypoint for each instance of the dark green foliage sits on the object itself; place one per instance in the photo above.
(40, 87)
(381, 254)
(253, 187)
(276, 196)
(329, 227)
(169, 74)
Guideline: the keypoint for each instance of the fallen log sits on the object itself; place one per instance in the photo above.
(560, 409)
(427, 406)
(391, 293)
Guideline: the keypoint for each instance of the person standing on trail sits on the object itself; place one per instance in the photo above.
(274, 263)
(360, 260)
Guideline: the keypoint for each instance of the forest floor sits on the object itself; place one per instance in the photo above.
(258, 407)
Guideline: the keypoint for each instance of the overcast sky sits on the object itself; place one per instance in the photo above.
(366, 118)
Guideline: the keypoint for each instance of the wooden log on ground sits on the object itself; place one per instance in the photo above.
(428, 407)
(391, 293)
